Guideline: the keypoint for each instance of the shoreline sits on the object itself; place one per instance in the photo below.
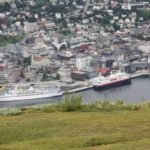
(137, 75)
(76, 105)
(87, 91)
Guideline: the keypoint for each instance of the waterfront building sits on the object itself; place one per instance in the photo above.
(90, 73)
(139, 65)
(126, 67)
(103, 71)
(83, 62)
(78, 75)
(30, 73)
(65, 74)
(10, 75)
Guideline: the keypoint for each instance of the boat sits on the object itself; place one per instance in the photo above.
(114, 80)
(29, 92)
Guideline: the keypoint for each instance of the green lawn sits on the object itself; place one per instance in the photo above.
(4, 40)
(116, 130)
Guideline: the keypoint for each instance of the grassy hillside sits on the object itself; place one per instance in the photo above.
(84, 129)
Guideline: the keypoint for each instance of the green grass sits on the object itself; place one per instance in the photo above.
(36, 129)
(4, 40)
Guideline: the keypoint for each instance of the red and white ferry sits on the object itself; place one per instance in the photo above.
(115, 79)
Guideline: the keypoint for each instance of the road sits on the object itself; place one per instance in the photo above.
(87, 5)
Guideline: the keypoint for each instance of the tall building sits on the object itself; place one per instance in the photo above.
(83, 62)
(65, 74)
(30, 27)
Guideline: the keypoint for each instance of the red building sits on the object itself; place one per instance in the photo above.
(104, 71)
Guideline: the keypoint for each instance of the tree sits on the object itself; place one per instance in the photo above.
(45, 76)
(6, 6)
(116, 27)
(32, 19)
(27, 61)
(145, 13)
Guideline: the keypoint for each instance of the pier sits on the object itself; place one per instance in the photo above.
(77, 86)
(140, 74)
(80, 89)
(89, 86)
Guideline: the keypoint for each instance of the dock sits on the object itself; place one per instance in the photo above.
(140, 74)
(80, 89)
(135, 75)
(83, 85)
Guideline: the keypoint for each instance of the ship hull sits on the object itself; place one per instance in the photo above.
(112, 84)
(29, 97)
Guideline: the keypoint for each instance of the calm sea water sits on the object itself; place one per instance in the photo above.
(138, 91)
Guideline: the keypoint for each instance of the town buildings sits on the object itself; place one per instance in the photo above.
(101, 36)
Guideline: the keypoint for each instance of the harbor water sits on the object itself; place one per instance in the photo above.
(138, 91)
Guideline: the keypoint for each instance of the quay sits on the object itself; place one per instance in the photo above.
(80, 89)
(140, 74)
(83, 85)
(144, 73)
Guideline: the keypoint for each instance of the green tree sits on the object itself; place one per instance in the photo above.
(145, 13)
(116, 27)
(27, 61)
(45, 76)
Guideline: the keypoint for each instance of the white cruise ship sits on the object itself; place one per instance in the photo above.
(29, 92)
(116, 79)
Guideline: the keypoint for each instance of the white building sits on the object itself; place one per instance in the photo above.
(30, 76)
(78, 41)
(65, 74)
(50, 25)
(58, 15)
(83, 62)
(149, 58)
(30, 27)
(137, 5)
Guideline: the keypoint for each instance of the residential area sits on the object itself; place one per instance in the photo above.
(72, 40)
